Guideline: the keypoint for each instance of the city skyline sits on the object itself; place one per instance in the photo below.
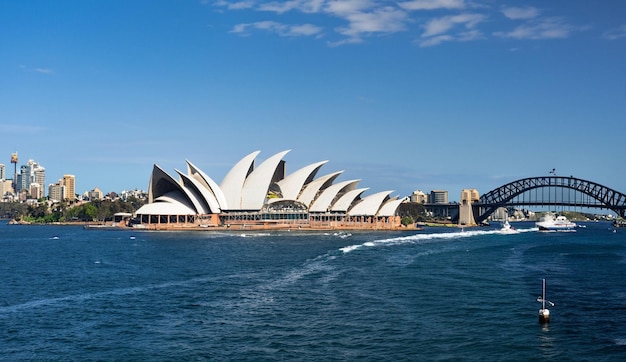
(404, 95)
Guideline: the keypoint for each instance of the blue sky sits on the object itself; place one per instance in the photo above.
(403, 95)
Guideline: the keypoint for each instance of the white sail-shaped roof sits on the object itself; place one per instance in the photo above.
(292, 184)
(161, 183)
(206, 201)
(246, 188)
(173, 203)
(258, 183)
(232, 184)
(345, 201)
(370, 204)
(311, 190)
(390, 207)
(323, 202)
(211, 185)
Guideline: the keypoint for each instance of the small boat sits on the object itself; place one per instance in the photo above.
(506, 227)
(544, 313)
(559, 223)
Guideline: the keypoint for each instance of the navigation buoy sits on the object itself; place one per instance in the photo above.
(544, 316)
(544, 313)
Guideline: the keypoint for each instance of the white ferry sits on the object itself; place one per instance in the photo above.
(549, 222)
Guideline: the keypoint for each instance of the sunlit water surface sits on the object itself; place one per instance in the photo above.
(439, 294)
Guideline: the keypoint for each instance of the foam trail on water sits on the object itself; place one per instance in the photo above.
(425, 237)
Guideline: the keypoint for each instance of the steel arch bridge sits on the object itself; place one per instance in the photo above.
(544, 191)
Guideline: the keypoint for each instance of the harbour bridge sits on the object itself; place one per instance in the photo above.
(550, 191)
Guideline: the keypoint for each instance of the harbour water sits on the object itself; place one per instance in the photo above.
(435, 295)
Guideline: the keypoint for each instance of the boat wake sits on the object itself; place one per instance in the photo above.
(421, 238)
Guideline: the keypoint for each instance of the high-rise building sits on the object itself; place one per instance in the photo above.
(438, 197)
(56, 191)
(6, 186)
(69, 182)
(31, 173)
(22, 178)
(35, 190)
(40, 176)
(14, 162)
(3, 172)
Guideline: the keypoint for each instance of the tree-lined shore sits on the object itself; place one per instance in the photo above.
(46, 212)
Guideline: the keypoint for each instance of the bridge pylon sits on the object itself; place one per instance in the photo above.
(466, 213)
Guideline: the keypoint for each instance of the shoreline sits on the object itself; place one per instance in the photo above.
(223, 228)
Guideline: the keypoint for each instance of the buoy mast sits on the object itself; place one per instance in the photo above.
(544, 313)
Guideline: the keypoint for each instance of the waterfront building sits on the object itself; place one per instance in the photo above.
(35, 190)
(500, 214)
(419, 197)
(95, 194)
(138, 194)
(30, 173)
(56, 192)
(264, 196)
(438, 197)
(6, 187)
(69, 181)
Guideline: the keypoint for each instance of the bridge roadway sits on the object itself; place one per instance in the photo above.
(593, 195)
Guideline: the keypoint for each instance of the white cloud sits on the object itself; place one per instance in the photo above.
(520, 13)
(343, 8)
(435, 40)
(43, 70)
(305, 30)
(235, 5)
(278, 28)
(444, 24)
(432, 4)
(359, 19)
(381, 20)
(470, 35)
(617, 33)
(551, 28)
(305, 6)
(36, 70)
(437, 31)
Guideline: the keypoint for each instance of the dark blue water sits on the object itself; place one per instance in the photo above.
(72, 294)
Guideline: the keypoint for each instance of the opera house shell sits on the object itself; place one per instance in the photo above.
(264, 197)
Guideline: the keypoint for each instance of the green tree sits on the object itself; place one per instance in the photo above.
(407, 220)
(414, 210)
(88, 212)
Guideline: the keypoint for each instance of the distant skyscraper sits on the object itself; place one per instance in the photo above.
(3, 170)
(56, 191)
(23, 178)
(40, 175)
(31, 173)
(439, 196)
(35, 190)
(14, 162)
(69, 182)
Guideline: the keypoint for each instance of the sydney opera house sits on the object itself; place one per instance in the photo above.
(264, 197)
